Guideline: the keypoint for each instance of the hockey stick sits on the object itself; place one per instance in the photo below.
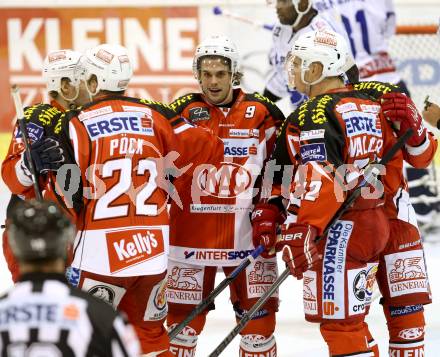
(219, 288)
(370, 173)
(217, 10)
(15, 92)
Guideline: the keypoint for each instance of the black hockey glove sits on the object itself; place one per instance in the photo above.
(47, 155)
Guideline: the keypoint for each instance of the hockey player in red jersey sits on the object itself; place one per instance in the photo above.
(213, 228)
(124, 148)
(61, 73)
(335, 128)
(401, 270)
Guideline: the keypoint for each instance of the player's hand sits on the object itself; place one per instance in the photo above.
(298, 246)
(265, 219)
(46, 154)
(402, 112)
(432, 114)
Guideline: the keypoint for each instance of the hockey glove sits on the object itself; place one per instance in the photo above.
(265, 219)
(298, 246)
(46, 154)
(402, 112)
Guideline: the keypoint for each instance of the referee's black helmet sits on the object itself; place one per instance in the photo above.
(38, 230)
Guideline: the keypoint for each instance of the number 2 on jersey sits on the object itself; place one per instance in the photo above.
(105, 209)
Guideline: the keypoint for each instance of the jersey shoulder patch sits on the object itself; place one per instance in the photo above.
(64, 119)
(162, 108)
(313, 112)
(42, 114)
(182, 102)
(272, 108)
(376, 89)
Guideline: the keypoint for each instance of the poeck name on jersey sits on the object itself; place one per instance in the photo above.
(119, 123)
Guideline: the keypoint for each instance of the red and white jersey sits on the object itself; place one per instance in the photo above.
(283, 38)
(369, 26)
(126, 148)
(214, 228)
(397, 204)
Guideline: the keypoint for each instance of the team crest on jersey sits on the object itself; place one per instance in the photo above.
(199, 114)
(406, 273)
(184, 285)
(260, 277)
(371, 278)
(157, 306)
(35, 132)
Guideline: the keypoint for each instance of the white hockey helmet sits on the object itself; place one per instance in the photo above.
(326, 47)
(111, 66)
(62, 64)
(216, 46)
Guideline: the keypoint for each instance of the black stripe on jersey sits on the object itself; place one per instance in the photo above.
(33, 335)
(6, 340)
(398, 200)
(37, 286)
(63, 344)
(115, 337)
(353, 353)
(177, 121)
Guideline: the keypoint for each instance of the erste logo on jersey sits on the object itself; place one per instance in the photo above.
(240, 147)
(364, 130)
(119, 123)
(133, 246)
(362, 122)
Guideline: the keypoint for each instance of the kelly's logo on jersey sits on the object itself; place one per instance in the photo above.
(133, 246)
(240, 147)
(119, 123)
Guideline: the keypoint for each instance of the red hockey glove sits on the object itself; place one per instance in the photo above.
(265, 219)
(402, 111)
(298, 246)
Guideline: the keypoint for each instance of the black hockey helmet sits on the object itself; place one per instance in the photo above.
(38, 230)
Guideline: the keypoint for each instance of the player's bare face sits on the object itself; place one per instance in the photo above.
(215, 79)
(295, 75)
(286, 12)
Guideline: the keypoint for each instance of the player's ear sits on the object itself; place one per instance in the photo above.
(92, 83)
(65, 85)
(316, 70)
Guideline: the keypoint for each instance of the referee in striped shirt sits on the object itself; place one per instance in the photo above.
(42, 315)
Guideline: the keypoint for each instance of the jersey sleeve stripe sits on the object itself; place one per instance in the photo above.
(182, 128)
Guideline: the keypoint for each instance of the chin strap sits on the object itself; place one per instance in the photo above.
(299, 12)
